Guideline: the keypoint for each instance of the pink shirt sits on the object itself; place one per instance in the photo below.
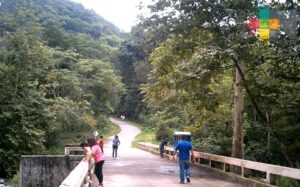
(97, 153)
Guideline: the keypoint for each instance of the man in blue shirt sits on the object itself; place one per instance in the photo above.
(184, 147)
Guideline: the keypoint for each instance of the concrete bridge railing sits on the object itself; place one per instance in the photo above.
(77, 176)
(223, 164)
(216, 163)
(46, 170)
(69, 150)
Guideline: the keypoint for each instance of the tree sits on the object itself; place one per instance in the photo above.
(128, 55)
(23, 122)
(50, 87)
(211, 37)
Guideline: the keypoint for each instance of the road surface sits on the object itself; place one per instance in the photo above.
(137, 168)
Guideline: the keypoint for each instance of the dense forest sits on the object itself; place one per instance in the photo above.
(182, 63)
(65, 69)
(58, 76)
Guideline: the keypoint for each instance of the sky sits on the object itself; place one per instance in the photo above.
(122, 13)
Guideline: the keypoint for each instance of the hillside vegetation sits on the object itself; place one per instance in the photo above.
(58, 78)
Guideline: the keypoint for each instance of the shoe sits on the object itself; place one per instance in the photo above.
(188, 179)
(181, 182)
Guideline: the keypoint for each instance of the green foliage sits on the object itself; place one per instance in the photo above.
(287, 182)
(195, 46)
(133, 71)
(163, 132)
(57, 85)
(14, 182)
(99, 79)
(24, 124)
(147, 135)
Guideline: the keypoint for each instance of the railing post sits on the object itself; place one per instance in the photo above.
(242, 170)
(270, 178)
(67, 151)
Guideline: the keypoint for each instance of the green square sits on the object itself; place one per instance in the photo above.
(264, 23)
(264, 13)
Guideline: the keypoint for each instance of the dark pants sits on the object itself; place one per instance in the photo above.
(115, 151)
(98, 171)
(161, 153)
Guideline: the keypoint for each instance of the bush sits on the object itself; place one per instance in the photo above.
(14, 181)
(287, 182)
(162, 132)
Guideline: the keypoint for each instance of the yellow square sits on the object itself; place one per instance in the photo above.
(264, 34)
(274, 24)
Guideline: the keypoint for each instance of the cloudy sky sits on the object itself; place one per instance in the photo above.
(121, 13)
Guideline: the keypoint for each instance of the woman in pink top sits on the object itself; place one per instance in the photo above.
(99, 159)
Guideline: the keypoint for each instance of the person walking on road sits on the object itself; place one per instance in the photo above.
(99, 159)
(116, 142)
(162, 145)
(100, 142)
(185, 148)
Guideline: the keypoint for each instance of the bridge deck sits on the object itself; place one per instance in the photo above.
(142, 169)
(137, 168)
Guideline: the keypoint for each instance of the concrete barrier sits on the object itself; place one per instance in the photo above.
(77, 176)
(45, 170)
(270, 170)
(69, 150)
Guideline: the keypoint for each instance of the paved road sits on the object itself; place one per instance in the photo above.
(137, 168)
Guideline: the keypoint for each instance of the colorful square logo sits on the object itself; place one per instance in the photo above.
(263, 23)
(270, 20)
(264, 34)
(253, 23)
(264, 13)
(274, 24)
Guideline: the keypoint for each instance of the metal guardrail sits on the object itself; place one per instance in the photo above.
(269, 169)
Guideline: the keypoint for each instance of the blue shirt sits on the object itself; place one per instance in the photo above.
(184, 148)
(116, 142)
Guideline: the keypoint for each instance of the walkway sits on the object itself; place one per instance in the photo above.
(137, 168)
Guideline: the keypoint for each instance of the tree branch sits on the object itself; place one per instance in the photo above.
(273, 132)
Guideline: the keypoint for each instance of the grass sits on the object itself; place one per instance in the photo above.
(113, 130)
(147, 134)
(14, 181)
(75, 138)
(287, 182)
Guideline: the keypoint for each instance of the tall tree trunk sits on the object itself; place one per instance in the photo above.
(283, 147)
(237, 139)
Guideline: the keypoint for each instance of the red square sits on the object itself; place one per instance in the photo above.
(253, 23)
